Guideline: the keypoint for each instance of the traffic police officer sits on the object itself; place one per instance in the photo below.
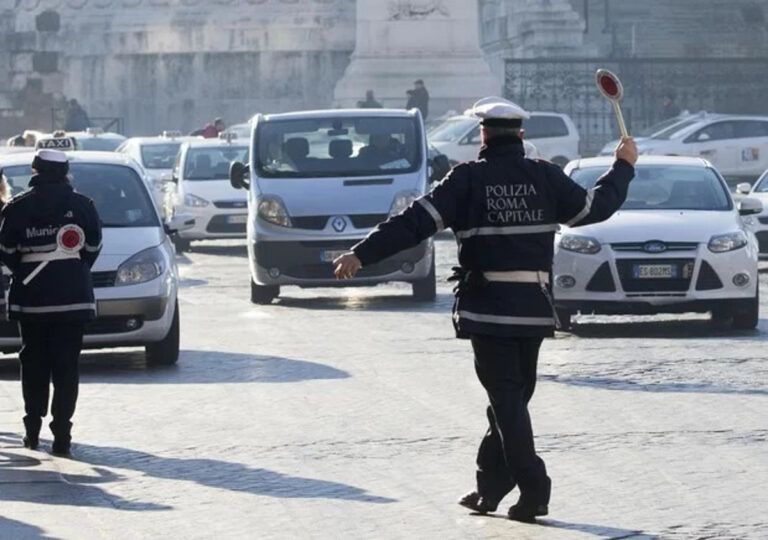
(50, 237)
(504, 210)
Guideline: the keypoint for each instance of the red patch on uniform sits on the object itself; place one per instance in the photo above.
(609, 86)
(70, 239)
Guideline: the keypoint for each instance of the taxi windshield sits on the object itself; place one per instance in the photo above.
(671, 131)
(333, 147)
(212, 162)
(117, 192)
(667, 187)
(451, 130)
(159, 156)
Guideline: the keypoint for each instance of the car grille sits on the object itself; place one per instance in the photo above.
(220, 225)
(640, 246)
(762, 239)
(103, 279)
(318, 223)
(632, 285)
(708, 278)
(602, 281)
(230, 204)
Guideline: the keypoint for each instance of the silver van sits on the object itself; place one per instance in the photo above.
(318, 182)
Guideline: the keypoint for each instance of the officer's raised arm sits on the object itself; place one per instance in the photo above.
(577, 206)
(426, 217)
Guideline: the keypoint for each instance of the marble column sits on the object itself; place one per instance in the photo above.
(399, 41)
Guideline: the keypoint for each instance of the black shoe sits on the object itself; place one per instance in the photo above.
(61, 448)
(477, 503)
(31, 441)
(527, 514)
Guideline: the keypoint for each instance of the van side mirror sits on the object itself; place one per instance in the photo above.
(745, 188)
(750, 207)
(440, 167)
(239, 175)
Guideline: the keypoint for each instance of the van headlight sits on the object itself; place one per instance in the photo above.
(580, 244)
(723, 243)
(403, 200)
(272, 210)
(194, 201)
(142, 267)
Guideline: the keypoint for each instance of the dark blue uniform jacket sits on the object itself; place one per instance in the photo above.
(63, 290)
(504, 210)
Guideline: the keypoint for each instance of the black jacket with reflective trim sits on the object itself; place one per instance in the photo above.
(29, 223)
(504, 210)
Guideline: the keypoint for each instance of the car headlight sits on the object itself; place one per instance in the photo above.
(194, 201)
(142, 267)
(728, 242)
(580, 244)
(403, 200)
(272, 210)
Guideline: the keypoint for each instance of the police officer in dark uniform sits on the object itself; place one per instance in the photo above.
(50, 237)
(504, 210)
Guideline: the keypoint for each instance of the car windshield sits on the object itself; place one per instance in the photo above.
(650, 131)
(667, 187)
(98, 144)
(670, 132)
(333, 147)
(159, 156)
(118, 193)
(451, 130)
(212, 162)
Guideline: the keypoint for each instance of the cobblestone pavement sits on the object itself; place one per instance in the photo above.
(355, 414)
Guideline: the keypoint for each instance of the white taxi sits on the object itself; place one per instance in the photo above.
(135, 276)
(157, 155)
(96, 140)
(678, 244)
(736, 145)
(759, 223)
(202, 189)
(550, 136)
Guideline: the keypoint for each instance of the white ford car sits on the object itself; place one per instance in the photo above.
(679, 244)
(135, 276)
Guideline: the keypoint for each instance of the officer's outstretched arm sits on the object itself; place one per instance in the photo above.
(427, 216)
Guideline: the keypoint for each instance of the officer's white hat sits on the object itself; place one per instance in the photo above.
(53, 156)
(499, 112)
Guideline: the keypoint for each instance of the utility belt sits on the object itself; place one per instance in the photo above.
(44, 259)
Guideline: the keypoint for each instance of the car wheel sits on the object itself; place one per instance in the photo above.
(166, 352)
(564, 323)
(181, 244)
(425, 290)
(747, 317)
(263, 294)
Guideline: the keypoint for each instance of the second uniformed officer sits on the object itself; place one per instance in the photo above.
(50, 237)
(504, 210)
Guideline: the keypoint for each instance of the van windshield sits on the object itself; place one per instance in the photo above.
(338, 147)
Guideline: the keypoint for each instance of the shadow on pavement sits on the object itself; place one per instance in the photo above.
(194, 367)
(598, 531)
(223, 475)
(10, 528)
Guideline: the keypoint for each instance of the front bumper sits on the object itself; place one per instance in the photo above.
(604, 283)
(305, 263)
(213, 223)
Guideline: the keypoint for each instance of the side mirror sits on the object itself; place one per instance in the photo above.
(440, 167)
(745, 188)
(750, 207)
(179, 222)
(238, 175)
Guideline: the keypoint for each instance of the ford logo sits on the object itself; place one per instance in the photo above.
(655, 247)
(339, 224)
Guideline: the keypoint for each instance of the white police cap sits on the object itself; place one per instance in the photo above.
(499, 112)
(53, 156)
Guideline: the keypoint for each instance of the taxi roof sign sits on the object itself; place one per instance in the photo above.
(55, 143)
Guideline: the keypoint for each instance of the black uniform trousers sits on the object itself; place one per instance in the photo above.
(50, 352)
(506, 368)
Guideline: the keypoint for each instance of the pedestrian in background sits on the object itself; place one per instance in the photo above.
(50, 238)
(76, 118)
(211, 130)
(504, 210)
(370, 101)
(669, 108)
(418, 98)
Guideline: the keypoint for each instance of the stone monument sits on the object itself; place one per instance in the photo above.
(399, 41)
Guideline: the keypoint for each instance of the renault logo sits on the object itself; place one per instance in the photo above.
(655, 247)
(339, 224)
